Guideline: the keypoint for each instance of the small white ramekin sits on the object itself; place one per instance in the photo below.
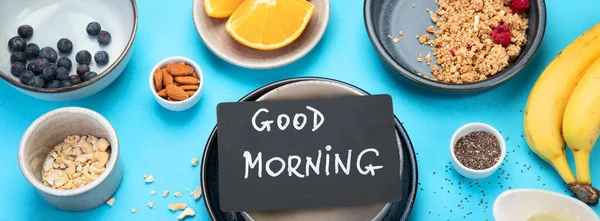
(469, 128)
(177, 105)
(51, 129)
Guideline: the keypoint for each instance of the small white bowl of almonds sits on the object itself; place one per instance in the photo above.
(70, 155)
(176, 83)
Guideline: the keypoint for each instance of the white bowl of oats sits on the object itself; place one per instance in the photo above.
(456, 45)
(70, 155)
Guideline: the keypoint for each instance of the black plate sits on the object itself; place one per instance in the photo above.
(210, 170)
(387, 17)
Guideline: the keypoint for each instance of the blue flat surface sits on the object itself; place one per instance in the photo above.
(160, 142)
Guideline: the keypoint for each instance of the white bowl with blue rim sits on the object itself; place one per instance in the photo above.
(53, 20)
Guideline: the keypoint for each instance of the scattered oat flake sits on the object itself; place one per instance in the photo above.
(197, 193)
(177, 194)
(419, 74)
(430, 29)
(151, 204)
(427, 10)
(133, 210)
(152, 192)
(145, 176)
(194, 161)
(414, 5)
(187, 212)
(166, 193)
(420, 58)
(401, 33)
(150, 179)
(111, 201)
(418, 36)
(390, 37)
(396, 40)
(428, 58)
(177, 206)
(423, 39)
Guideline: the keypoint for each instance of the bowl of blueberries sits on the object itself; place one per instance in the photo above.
(68, 49)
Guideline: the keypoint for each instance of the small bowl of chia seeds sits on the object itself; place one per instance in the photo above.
(477, 150)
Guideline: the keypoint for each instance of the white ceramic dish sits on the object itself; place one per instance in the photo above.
(49, 130)
(469, 128)
(316, 90)
(56, 19)
(521, 204)
(215, 37)
(177, 105)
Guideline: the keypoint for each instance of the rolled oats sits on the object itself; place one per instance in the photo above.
(111, 201)
(194, 161)
(177, 206)
(187, 212)
(75, 162)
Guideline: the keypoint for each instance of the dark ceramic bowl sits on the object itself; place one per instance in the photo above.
(209, 173)
(388, 17)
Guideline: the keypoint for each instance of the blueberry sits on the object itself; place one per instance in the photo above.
(32, 50)
(36, 81)
(62, 73)
(53, 84)
(25, 31)
(93, 28)
(65, 46)
(89, 76)
(39, 65)
(101, 58)
(104, 38)
(25, 76)
(17, 68)
(64, 62)
(82, 69)
(83, 57)
(49, 54)
(49, 73)
(75, 79)
(30, 66)
(16, 44)
(18, 56)
(66, 83)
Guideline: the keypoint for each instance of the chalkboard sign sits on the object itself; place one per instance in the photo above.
(307, 153)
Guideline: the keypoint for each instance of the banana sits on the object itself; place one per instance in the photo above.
(581, 122)
(547, 102)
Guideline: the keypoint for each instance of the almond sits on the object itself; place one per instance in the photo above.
(158, 79)
(167, 78)
(176, 93)
(190, 93)
(189, 87)
(163, 93)
(180, 69)
(187, 80)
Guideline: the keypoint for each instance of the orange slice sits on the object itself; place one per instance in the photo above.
(221, 8)
(269, 24)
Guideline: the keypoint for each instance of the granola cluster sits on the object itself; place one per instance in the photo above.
(463, 44)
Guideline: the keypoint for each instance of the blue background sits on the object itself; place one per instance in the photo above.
(160, 142)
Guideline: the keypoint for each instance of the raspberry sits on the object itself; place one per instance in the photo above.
(501, 35)
(519, 5)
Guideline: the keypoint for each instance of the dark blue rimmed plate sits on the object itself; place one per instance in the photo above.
(210, 171)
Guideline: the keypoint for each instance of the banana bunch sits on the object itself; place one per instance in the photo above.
(564, 106)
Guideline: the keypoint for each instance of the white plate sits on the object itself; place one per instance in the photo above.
(215, 37)
(56, 19)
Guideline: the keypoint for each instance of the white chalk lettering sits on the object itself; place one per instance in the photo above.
(370, 168)
(294, 169)
(310, 164)
(339, 163)
(251, 164)
(297, 124)
(268, 166)
(265, 124)
(317, 114)
(279, 121)
(327, 148)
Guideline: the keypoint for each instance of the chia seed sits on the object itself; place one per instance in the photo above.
(478, 150)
